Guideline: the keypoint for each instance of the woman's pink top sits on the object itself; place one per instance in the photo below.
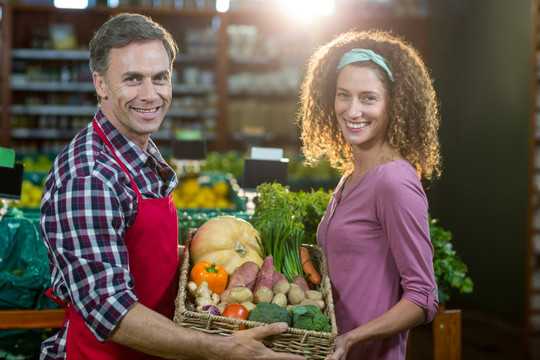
(378, 248)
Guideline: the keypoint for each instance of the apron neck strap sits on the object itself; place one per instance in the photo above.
(108, 144)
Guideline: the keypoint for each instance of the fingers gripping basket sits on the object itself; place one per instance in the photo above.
(310, 344)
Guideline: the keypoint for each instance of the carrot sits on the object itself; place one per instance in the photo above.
(307, 265)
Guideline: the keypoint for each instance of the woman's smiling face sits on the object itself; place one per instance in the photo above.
(360, 105)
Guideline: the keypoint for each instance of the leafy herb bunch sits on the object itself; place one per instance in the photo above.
(450, 271)
(286, 220)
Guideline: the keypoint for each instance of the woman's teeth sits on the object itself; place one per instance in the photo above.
(360, 125)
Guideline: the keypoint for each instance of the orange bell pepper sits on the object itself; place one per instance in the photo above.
(213, 274)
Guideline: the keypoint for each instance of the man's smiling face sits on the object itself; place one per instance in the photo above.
(136, 91)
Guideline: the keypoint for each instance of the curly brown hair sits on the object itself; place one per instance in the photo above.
(412, 109)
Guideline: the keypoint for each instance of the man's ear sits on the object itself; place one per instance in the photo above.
(100, 84)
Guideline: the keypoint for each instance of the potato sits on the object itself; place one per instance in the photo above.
(296, 295)
(263, 294)
(222, 306)
(249, 305)
(321, 304)
(301, 281)
(244, 276)
(277, 277)
(314, 295)
(282, 287)
(239, 295)
(280, 299)
(318, 303)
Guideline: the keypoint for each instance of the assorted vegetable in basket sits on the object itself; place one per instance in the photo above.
(271, 276)
(247, 281)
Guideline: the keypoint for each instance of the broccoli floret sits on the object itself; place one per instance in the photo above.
(269, 313)
(309, 317)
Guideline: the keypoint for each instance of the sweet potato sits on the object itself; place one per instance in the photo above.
(266, 274)
(243, 276)
(277, 277)
(301, 281)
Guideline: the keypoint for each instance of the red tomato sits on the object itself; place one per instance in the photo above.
(237, 311)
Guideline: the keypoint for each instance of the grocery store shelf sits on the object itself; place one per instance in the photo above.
(74, 110)
(46, 54)
(193, 89)
(56, 86)
(53, 86)
(25, 133)
(264, 92)
(191, 113)
(163, 135)
(188, 58)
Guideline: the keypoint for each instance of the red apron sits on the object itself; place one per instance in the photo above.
(152, 243)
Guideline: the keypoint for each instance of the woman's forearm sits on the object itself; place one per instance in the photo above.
(402, 316)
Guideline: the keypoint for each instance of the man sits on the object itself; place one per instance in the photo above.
(108, 219)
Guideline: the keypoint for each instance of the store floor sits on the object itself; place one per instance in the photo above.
(483, 338)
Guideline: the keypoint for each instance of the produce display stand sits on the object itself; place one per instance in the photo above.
(10, 189)
(440, 340)
(31, 319)
(446, 328)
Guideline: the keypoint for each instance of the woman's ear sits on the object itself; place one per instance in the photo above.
(100, 84)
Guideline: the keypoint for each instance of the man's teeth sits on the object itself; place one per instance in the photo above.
(148, 111)
(357, 125)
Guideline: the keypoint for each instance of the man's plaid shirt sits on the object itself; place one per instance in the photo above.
(88, 204)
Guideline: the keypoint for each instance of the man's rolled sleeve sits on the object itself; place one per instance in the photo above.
(104, 319)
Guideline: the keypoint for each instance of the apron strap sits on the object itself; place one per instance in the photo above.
(54, 298)
(108, 144)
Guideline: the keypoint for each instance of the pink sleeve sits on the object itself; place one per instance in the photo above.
(402, 209)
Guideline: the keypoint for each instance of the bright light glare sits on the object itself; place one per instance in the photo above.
(222, 5)
(71, 4)
(308, 10)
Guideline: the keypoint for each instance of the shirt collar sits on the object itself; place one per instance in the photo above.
(130, 154)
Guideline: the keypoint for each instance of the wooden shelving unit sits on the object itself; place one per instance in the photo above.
(20, 120)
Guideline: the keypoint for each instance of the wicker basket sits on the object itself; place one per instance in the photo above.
(310, 344)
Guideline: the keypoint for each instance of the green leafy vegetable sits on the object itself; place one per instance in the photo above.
(309, 208)
(450, 271)
(281, 232)
(269, 313)
(309, 317)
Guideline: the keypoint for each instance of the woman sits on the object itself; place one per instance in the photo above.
(368, 105)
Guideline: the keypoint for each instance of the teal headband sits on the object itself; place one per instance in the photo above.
(356, 55)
